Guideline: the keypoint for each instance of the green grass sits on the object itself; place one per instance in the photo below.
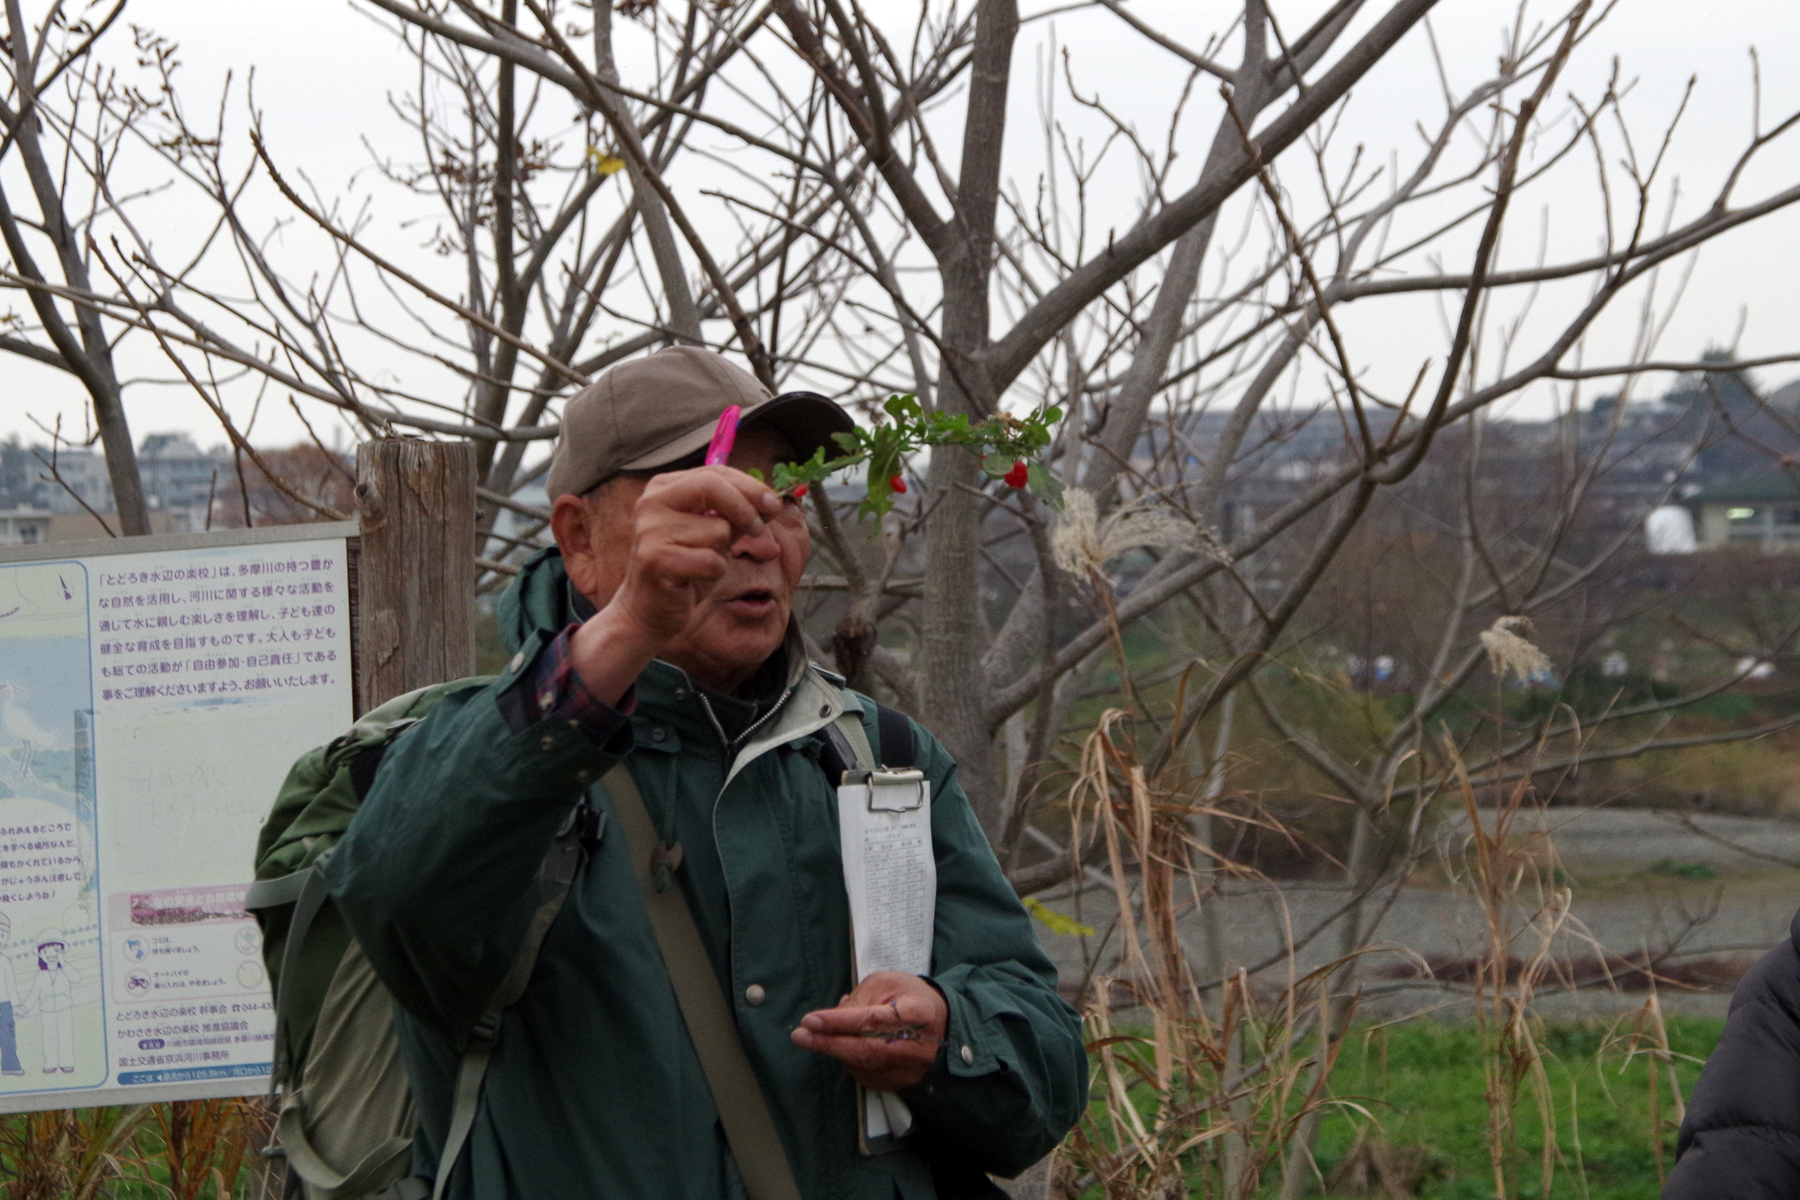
(1424, 1084)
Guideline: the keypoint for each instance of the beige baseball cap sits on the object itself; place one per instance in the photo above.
(659, 409)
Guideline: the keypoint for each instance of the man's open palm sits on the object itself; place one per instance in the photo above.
(886, 1032)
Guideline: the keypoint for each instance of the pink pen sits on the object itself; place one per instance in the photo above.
(724, 435)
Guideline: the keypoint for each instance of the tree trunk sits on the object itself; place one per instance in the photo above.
(952, 691)
(121, 458)
(1210, 776)
(416, 573)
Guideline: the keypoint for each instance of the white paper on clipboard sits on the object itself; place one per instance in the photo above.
(891, 877)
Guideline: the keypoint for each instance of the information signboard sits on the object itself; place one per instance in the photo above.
(153, 692)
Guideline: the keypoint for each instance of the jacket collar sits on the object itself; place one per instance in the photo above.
(666, 693)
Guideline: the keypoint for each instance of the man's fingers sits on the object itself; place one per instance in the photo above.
(681, 566)
(866, 1053)
(693, 531)
(873, 1062)
(879, 1018)
(907, 1000)
(743, 502)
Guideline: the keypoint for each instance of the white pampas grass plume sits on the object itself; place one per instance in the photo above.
(1509, 652)
(1084, 542)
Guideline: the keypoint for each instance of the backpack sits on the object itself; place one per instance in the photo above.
(345, 1114)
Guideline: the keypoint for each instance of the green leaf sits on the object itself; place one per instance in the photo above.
(885, 447)
(1044, 484)
(901, 407)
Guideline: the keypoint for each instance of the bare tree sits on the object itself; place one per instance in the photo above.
(63, 124)
(771, 178)
(775, 179)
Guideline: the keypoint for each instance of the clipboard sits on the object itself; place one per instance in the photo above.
(890, 876)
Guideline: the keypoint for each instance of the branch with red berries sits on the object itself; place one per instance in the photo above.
(1007, 442)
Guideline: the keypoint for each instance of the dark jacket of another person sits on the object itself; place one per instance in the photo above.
(1741, 1137)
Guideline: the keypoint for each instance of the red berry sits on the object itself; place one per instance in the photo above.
(1019, 476)
(799, 491)
(897, 484)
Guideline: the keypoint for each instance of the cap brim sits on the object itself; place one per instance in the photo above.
(806, 419)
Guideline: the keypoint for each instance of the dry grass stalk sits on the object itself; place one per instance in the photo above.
(1085, 542)
(1210, 1088)
(1207, 1101)
(1377, 1168)
(1649, 1039)
(205, 1143)
(1510, 653)
(182, 1151)
(68, 1154)
(1518, 904)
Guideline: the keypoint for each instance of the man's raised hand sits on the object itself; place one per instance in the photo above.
(683, 528)
(649, 556)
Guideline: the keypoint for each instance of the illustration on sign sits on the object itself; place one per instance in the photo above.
(50, 1019)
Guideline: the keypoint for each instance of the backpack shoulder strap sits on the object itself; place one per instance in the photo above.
(582, 831)
(898, 750)
(847, 742)
(749, 1128)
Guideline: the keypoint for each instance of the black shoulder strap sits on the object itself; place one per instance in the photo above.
(894, 745)
(894, 738)
(363, 767)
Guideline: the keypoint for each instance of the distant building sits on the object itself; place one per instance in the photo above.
(81, 474)
(1703, 452)
(177, 474)
(24, 526)
(15, 473)
(179, 480)
(36, 526)
(1760, 510)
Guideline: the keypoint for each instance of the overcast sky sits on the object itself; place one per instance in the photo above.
(324, 73)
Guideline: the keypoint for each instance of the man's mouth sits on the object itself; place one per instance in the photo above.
(755, 602)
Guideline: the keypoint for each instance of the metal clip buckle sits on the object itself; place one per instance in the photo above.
(896, 791)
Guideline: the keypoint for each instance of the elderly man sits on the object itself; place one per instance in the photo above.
(659, 635)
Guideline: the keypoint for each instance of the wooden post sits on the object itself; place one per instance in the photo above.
(416, 573)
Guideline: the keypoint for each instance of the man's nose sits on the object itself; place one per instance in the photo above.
(760, 547)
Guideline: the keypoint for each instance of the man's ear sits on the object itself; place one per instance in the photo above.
(572, 524)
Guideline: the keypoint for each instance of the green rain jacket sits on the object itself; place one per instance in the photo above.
(595, 1089)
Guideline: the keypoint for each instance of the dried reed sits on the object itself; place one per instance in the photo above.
(68, 1154)
(189, 1150)
(1519, 904)
(204, 1144)
(1214, 1088)
(1206, 1101)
